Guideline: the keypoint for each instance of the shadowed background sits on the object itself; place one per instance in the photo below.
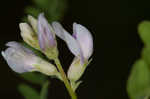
(116, 45)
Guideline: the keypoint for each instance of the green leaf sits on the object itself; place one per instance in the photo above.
(28, 92)
(138, 85)
(144, 31)
(35, 78)
(44, 90)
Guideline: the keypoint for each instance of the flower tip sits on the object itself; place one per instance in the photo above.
(3, 54)
(55, 23)
(33, 22)
(24, 27)
(12, 44)
(75, 26)
(29, 17)
(41, 20)
(45, 35)
(85, 39)
(59, 30)
(41, 16)
(74, 23)
(74, 30)
(21, 25)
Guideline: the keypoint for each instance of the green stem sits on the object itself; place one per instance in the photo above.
(64, 78)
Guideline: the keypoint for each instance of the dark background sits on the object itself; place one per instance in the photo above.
(117, 45)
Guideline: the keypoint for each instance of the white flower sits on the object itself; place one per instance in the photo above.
(80, 44)
(21, 59)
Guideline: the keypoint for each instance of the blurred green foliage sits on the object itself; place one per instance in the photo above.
(28, 92)
(35, 78)
(44, 90)
(139, 80)
(31, 93)
(138, 85)
(144, 32)
(54, 10)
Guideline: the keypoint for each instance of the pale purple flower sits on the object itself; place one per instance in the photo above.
(84, 38)
(80, 42)
(46, 36)
(21, 59)
(18, 57)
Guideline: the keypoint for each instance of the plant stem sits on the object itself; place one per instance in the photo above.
(64, 78)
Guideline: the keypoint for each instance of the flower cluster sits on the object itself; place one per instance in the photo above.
(41, 35)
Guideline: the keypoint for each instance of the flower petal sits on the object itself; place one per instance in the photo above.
(64, 35)
(75, 70)
(84, 38)
(59, 30)
(18, 46)
(42, 42)
(15, 62)
(33, 22)
(21, 59)
(26, 32)
(44, 32)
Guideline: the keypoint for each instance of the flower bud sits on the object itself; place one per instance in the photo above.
(29, 35)
(21, 59)
(76, 70)
(46, 37)
(33, 23)
(80, 43)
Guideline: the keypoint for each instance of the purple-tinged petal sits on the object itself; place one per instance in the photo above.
(74, 35)
(84, 38)
(21, 59)
(59, 30)
(17, 60)
(45, 33)
(72, 44)
(16, 45)
(13, 44)
(42, 42)
(74, 30)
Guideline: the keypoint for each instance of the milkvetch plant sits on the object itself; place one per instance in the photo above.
(41, 35)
